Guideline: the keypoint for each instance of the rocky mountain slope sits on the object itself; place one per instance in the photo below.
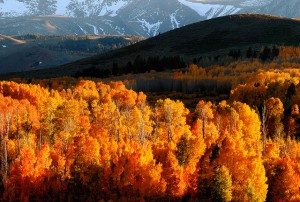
(138, 17)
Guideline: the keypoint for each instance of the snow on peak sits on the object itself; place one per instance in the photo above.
(113, 8)
(68, 7)
(175, 23)
(256, 3)
(210, 10)
(151, 29)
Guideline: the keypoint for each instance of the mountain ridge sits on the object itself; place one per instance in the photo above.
(138, 17)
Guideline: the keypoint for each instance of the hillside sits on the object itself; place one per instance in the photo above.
(212, 37)
(27, 52)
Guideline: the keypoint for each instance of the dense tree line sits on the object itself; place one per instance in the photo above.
(266, 53)
(219, 77)
(139, 65)
(98, 141)
(263, 54)
(93, 72)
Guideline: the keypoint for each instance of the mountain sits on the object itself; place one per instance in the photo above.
(155, 16)
(287, 8)
(131, 17)
(92, 8)
(213, 38)
(139, 17)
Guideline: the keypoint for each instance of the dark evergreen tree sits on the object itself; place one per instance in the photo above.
(235, 54)
(275, 51)
(265, 54)
(255, 54)
(115, 69)
(249, 53)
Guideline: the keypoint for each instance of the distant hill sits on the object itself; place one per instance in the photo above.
(212, 37)
(28, 52)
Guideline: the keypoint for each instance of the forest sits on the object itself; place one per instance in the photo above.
(82, 140)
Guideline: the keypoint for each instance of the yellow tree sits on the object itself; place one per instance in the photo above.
(41, 173)
(222, 184)
(171, 120)
(86, 90)
(204, 124)
(240, 151)
(20, 185)
(176, 147)
(134, 173)
(284, 180)
(170, 127)
(273, 115)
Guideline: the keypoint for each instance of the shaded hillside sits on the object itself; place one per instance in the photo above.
(211, 37)
(27, 52)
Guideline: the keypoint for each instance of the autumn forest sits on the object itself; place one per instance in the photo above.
(85, 140)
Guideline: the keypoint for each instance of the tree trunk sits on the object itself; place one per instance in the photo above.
(264, 128)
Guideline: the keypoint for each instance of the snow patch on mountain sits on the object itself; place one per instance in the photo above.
(151, 29)
(255, 3)
(85, 32)
(210, 10)
(175, 23)
(85, 8)
(113, 8)
(221, 11)
(96, 31)
(120, 30)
